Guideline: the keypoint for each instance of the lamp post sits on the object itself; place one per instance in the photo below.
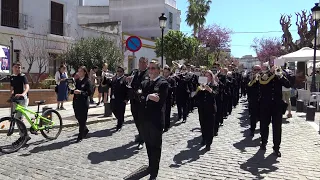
(162, 23)
(316, 16)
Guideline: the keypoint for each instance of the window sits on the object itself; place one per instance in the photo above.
(170, 20)
(56, 21)
(153, 38)
(10, 13)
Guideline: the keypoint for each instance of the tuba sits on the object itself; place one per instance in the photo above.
(71, 83)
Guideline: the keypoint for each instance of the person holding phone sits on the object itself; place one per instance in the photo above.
(81, 100)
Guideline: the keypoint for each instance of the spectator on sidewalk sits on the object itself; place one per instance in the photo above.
(62, 89)
(93, 79)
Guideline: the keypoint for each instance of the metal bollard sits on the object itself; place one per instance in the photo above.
(311, 112)
(300, 105)
(107, 110)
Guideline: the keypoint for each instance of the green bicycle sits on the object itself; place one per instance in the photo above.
(11, 127)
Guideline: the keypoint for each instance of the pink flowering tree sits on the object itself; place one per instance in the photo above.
(217, 38)
(268, 49)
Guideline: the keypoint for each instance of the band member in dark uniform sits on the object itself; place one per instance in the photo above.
(81, 100)
(219, 97)
(194, 84)
(136, 108)
(169, 101)
(253, 98)
(207, 108)
(119, 96)
(153, 96)
(230, 90)
(272, 106)
(183, 93)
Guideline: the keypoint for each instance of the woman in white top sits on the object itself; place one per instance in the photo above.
(62, 94)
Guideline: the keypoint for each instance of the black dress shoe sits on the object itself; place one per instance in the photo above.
(208, 147)
(215, 134)
(118, 129)
(277, 153)
(263, 147)
(165, 130)
(184, 121)
(79, 139)
(85, 133)
(152, 178)
(140, 146)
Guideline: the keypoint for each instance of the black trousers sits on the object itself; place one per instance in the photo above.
(118, 108)
(218, 116)
(153, 140)
(207, 121)
(271, 114)
(167, 115)
(93, 90)
(137, 113)
(253, 114)
(182, 105)
(229, 101)
(81, 113)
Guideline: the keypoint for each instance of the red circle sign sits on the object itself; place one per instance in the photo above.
(133, 43)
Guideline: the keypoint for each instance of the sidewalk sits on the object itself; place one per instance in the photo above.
(95, 114)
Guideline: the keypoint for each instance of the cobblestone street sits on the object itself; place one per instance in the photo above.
(112, 155)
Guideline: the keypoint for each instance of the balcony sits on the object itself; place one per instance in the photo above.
(59, 28)
(93, 14)
(14, 19)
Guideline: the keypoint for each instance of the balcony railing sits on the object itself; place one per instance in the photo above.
(59, 28)
(14, 19)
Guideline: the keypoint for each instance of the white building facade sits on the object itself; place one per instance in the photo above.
(248, 61)
(141, 17)
(51, 26)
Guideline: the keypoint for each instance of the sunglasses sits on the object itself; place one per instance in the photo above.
(119, 71)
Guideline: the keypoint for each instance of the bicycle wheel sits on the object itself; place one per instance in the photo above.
(52, 128)
(13, 133)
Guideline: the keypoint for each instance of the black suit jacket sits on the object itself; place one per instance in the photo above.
(153, 110)
(119, 90)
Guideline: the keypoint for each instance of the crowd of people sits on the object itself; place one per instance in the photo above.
(152, 95)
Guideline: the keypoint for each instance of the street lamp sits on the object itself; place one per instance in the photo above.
(162, 23)
(315, 16)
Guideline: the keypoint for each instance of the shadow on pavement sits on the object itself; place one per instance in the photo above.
(259, 165)
(122, 152)
(247, 142)
(192, 153)
(53, 146)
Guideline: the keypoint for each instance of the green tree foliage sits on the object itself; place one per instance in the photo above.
(176, 46)
(196, 14)
(94, 52)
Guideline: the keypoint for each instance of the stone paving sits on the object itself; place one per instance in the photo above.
(112, 155)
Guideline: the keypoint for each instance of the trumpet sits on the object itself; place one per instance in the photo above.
(71, 83)
(278, 71)
(176, 64)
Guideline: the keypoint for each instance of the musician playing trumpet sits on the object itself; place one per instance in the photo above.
(207, 108)
(271, 106)
(253, 98)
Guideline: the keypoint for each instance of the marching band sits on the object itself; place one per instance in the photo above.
(152, 96)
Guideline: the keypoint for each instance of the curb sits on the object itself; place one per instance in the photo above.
(92, 122)
(76, 123)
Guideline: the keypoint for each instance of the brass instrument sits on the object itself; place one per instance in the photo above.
(71, 83)
(176, 65)
(278, 71)
(107, 77)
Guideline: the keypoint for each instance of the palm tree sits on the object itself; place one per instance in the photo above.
(196, 14)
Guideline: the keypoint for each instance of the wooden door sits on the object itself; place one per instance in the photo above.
(57, 25)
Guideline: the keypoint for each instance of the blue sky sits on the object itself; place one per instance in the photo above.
(249, 16)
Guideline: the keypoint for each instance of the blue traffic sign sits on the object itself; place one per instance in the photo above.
(133, 43)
